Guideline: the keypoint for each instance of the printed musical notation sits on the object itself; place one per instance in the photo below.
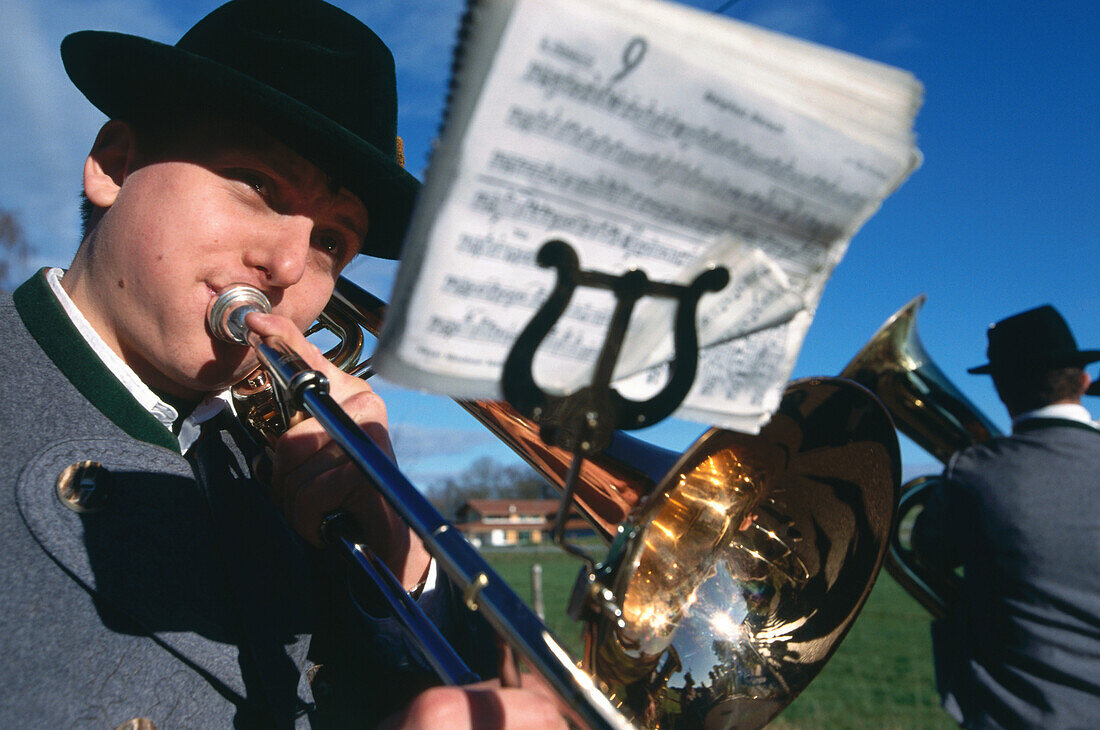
(669, 152)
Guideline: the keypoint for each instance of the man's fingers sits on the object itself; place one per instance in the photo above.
(463, 708)
(301, 443)
(306, 450)
(273, 325)
(313, 476)
(310, 503)
(326, 459)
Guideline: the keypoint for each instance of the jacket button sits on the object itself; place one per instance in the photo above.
(84, 487)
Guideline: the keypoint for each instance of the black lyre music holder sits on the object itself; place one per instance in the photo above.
(583, 421)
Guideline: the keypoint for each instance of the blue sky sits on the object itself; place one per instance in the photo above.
(1001, 217)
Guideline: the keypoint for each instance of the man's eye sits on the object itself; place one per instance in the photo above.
(330, 243)
(259, 184)
(254, 180)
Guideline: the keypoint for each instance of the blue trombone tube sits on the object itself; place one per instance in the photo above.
(431, 644)
(483, 588)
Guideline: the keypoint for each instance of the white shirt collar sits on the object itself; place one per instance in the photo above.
(1066, 411)
(150, 401)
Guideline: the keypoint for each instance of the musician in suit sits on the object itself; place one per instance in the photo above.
(148, 575)
(1021, 515)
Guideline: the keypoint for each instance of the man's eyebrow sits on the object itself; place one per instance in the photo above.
(352, 224)
(338, 194)
(302, 179)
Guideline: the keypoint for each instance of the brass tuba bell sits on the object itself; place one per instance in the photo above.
(930, 410)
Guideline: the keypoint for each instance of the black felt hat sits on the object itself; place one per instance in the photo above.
(1036, 339)
(309, 74)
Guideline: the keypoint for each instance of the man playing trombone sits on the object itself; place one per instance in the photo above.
(1021, 647)
(149, 578)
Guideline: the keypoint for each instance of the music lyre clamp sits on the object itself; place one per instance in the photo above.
(583, 422)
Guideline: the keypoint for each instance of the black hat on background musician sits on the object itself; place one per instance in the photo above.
(307, 73)
(1036, 340)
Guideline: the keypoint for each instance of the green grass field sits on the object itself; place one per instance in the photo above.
(879, 678)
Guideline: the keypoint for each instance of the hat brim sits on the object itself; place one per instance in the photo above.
(1075, 359)
(124, 74)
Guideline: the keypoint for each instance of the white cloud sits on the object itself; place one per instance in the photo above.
(899, 40)
(812, 20)
(413, 441)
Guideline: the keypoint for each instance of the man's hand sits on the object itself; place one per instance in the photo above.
(312, 476)
(483, 706)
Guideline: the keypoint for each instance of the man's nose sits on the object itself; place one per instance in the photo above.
(281, 254)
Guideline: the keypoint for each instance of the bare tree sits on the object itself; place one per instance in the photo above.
(14, 249)
(487, 478)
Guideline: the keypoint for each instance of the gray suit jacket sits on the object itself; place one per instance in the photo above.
(1021, 514)
(185, 598)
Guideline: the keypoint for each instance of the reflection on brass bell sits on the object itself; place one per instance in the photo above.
(138, 723)
(84, 487)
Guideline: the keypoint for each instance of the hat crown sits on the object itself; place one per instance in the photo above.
(311, 51)
(1036, 338)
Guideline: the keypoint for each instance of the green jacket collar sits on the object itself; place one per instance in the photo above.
(63, 344)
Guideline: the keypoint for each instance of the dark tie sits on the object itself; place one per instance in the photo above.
(264, 562)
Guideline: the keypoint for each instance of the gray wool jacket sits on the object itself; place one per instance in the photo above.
(1021, 514)
(182, 596)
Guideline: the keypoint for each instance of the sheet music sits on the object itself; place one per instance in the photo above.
(641, 134)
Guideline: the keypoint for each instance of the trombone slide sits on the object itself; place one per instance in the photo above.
(483, 588)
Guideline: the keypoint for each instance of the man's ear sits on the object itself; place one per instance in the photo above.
(109, 162)
(1084, 384)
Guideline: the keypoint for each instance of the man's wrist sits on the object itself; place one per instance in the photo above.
(418, 564)
(427, 580)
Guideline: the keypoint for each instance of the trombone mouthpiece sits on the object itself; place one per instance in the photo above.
(226, 313)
